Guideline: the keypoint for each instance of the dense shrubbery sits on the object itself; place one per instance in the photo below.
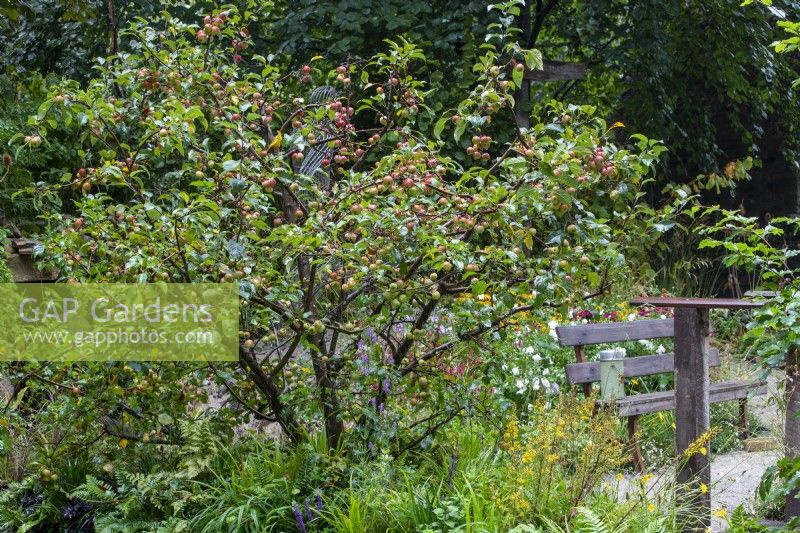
(400, 272)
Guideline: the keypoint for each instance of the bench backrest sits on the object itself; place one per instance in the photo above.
(643, 365)
(585, 334)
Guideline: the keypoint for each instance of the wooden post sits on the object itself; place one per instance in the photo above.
(744, 422)
(692, 417)
(791, 433)
(580, 357)
(633, 440)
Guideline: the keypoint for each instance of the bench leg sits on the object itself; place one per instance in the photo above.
(633, 439)
(744, 422)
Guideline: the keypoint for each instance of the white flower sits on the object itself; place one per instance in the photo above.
(553, 325)
(504, 367)
(515, 371)
(660, 349)
(663, 317)
(536, 384)
(546, 372)
(631, 317)
(528, 350)
(536, 358)
(646, 343)
(521, 384)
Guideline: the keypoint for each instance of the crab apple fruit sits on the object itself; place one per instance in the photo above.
(269, 183)
(341, 69)
(79, 222)
(249, 344)
(86, 186)
(519, 67)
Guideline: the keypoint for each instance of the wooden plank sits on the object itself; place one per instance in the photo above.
(653, 402)
(584, 334)
(692, 418)
(557, 71)
(761, 294)
(699, 303)
(643, 365)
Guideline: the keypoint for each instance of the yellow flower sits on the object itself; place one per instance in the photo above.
(619, 476)
(703, 488)
(651, 507)
(634, 381)
(721, 513)
(646, 478)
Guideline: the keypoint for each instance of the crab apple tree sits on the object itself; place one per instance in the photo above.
(370, 254)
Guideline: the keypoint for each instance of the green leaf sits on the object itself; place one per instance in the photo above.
(461, 126)
(517, 75)
(439, 127)
(231, 164)
(533, 59)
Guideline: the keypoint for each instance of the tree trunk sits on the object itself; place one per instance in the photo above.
(792, 422)
(334, 427)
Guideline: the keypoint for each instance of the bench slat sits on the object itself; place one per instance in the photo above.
(643, 365)
(653, 402)
(584, 334)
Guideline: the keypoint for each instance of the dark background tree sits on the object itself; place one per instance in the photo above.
(702, 76)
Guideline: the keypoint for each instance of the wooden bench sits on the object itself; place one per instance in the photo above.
(585, 373)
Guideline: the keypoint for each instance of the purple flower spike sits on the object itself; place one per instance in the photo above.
(319, 503)
(387, 384)
(298, 516)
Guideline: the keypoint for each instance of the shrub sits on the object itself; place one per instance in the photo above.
(354, 239)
